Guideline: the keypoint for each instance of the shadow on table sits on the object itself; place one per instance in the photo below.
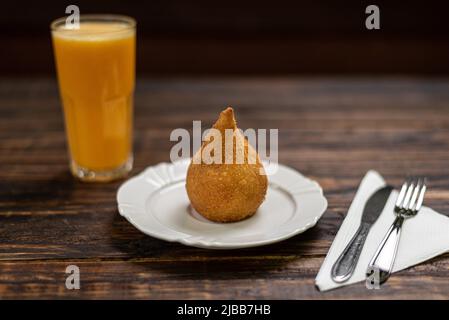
(59, 186)
(183, 262)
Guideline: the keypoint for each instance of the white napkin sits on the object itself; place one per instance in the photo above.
(423, 237)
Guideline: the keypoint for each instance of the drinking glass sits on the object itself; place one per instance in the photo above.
(96, 74)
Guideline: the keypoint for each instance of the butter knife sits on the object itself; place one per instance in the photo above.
(345, 265)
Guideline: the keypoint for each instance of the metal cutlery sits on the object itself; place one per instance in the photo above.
(408, 204)
(345, 265)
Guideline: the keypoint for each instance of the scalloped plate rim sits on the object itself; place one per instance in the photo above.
(217, 244)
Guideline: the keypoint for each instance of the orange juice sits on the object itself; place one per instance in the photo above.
(96, 73)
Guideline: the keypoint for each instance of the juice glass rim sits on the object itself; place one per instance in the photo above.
(129, 22)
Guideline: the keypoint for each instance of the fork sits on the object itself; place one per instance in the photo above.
(407, 205)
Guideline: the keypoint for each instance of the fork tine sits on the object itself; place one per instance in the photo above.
(412, 202)
(408, 194)
(421, 197)
(401, 194)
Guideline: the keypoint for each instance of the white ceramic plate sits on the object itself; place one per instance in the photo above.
(156, 203)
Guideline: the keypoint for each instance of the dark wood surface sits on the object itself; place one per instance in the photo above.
(256, 37)
(331, 129)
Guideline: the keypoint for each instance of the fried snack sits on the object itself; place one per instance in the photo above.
(226, 192)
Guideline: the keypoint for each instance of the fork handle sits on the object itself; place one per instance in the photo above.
(383, 260)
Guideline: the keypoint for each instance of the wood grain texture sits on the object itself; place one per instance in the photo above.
(331, 129)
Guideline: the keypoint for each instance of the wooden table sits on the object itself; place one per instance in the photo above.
(331, 129)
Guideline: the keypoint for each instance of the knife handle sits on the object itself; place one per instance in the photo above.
(345, 265)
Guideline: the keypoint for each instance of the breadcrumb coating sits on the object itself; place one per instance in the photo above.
(226, 192)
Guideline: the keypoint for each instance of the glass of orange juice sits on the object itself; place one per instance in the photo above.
(96, 74)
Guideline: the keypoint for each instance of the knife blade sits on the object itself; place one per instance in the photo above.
(345, 265)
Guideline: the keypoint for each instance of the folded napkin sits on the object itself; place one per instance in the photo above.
(423, 237)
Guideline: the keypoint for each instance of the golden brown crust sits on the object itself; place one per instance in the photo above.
(227, 192)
